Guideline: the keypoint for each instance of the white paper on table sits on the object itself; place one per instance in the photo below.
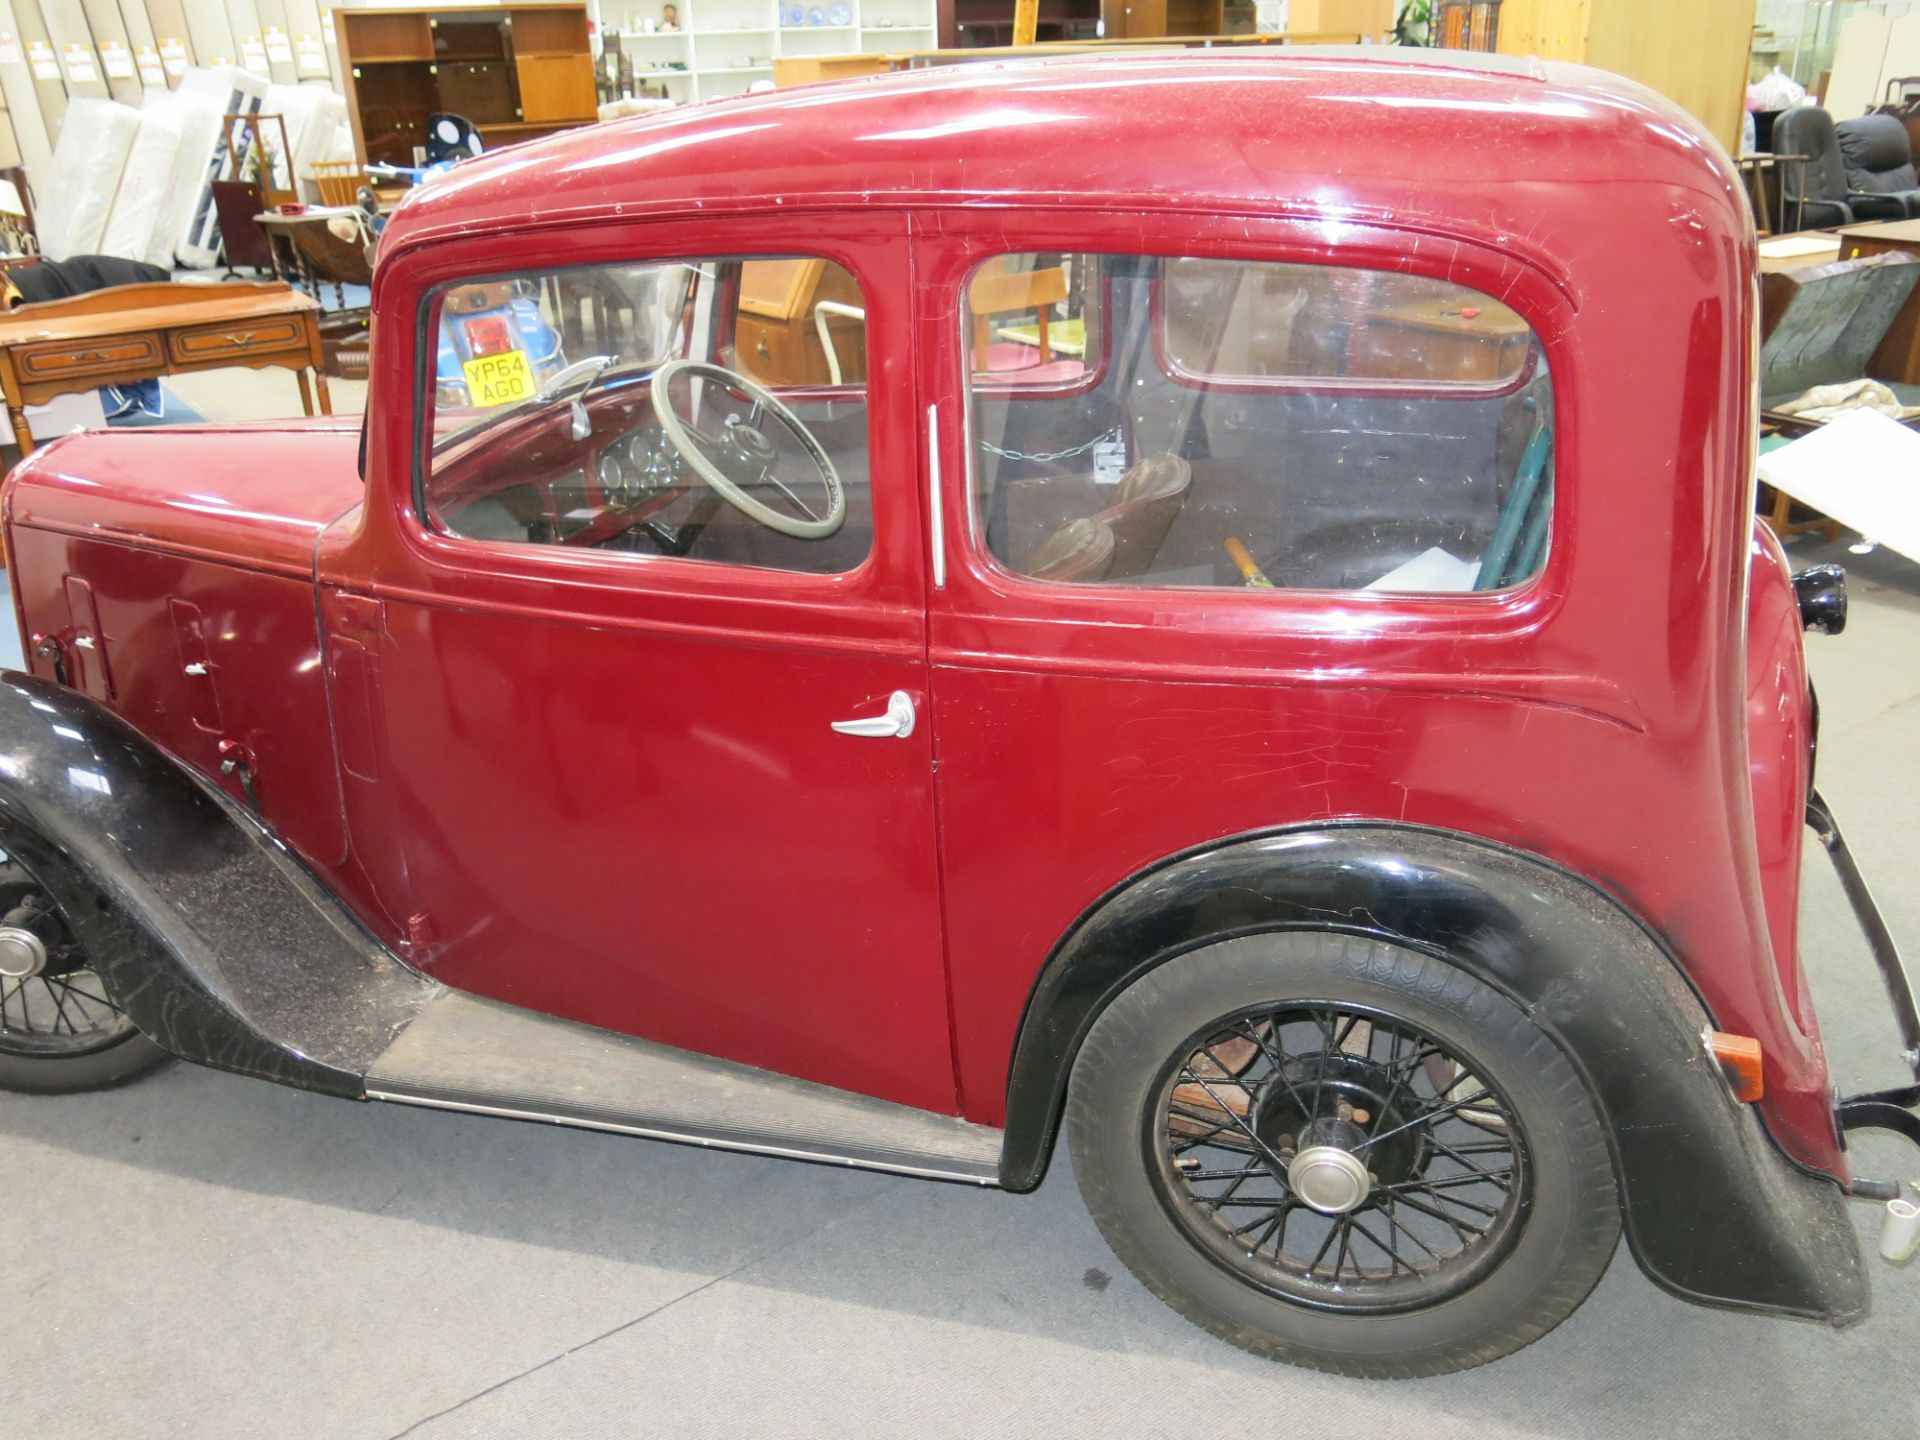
(1430, 572)
(1785, 247)
(1861, 468)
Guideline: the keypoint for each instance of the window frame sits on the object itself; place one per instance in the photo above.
(1003, 574)
(425, 523)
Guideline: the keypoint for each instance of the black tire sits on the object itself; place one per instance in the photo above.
(1564, 1225)
(123, 1061)
(59, 1033)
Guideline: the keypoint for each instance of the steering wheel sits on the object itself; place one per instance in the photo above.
(745, 446)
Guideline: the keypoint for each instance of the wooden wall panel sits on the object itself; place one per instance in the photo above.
(1694, 53)
(243, 18)
(273, 16)
(213, 39)
(23, 103)
(52, 94)
(1903, 53)
(66, 22)
(1858, 58)
(113, 43)
(169, 21)
(1338, 17)
(1550, 29)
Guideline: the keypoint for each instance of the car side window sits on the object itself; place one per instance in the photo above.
(1253, 424)
(710, 409)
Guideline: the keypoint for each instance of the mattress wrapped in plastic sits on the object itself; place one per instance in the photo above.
(89, 158)
(143, 184)
(312, 113)
(187, 232)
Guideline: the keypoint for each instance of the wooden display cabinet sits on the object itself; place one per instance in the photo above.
(777, 339)
(515, 71)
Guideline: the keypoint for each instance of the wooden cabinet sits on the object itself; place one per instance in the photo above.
(777, 335)
(1369, 19)
(515, 71)
(1145, 19)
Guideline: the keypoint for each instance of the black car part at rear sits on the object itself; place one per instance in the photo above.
(211, 937)
(1714, 1211)
(1892, 1110)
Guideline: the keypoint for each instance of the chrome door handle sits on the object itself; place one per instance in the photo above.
(896, 723)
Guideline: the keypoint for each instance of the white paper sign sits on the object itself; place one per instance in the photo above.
(80, 67)
(9, 50)
(116, 60)
(1858, 468)
(278, 50)
(40, 56)
(253, 54)
(152, 72)
(173, 56)
(310, 56)
(326, 27)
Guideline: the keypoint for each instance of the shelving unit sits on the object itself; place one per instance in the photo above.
(727, 45)
(516, 71)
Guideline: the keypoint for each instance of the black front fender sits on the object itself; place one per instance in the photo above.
(212, 937)
(1714, 1211)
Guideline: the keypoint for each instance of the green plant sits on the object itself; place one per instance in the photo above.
(1414, 24)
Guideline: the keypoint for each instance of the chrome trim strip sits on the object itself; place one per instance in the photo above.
(929, 1170)
(938, 525)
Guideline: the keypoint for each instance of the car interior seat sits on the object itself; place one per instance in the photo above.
(1149, 497)
(1080, 551)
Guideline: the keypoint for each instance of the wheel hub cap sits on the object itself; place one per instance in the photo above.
(1330, 1179)
(22, 953)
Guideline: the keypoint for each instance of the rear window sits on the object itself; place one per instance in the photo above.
(1245, 424)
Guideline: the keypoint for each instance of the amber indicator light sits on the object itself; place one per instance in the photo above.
(1739, 1059)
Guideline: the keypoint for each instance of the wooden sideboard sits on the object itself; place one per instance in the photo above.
(1898, 357)
(130, 333)
(517, 71)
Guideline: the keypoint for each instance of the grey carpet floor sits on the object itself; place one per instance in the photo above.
(209, 1256)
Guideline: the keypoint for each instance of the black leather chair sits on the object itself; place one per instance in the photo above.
(1815, 193)
(1879, 161)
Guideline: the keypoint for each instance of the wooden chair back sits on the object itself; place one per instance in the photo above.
(998, 291)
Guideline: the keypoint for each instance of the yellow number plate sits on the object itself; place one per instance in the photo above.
(499, 379)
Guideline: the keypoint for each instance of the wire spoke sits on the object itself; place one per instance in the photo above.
(1439, 1112)
(1256, 1085)
(1394, 1262)
(1451, 1182)
(1463, 1228)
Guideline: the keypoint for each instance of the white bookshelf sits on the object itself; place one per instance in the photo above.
(723, 46)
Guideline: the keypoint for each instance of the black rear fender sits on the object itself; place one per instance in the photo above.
(1714, 1211)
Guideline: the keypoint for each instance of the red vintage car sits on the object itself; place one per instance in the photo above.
(1210, 602)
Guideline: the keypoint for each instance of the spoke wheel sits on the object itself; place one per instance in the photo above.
(1426, 1174)
(63, 1011)
(60, 1030)
(1344, 1153)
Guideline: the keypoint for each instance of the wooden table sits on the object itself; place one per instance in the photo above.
(1440, 340)
(129, 333)
(1898, 357)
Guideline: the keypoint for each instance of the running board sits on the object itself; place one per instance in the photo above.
(465, 1053)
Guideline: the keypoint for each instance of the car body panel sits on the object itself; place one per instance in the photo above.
(1598, 717)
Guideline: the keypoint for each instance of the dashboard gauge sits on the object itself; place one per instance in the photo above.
(617, 479)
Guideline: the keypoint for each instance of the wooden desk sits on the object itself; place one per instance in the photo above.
(1438, 340)
(1898, 357)
(130, 333)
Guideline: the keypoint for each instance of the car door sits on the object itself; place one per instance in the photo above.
(646, 761)
(1213, 498)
